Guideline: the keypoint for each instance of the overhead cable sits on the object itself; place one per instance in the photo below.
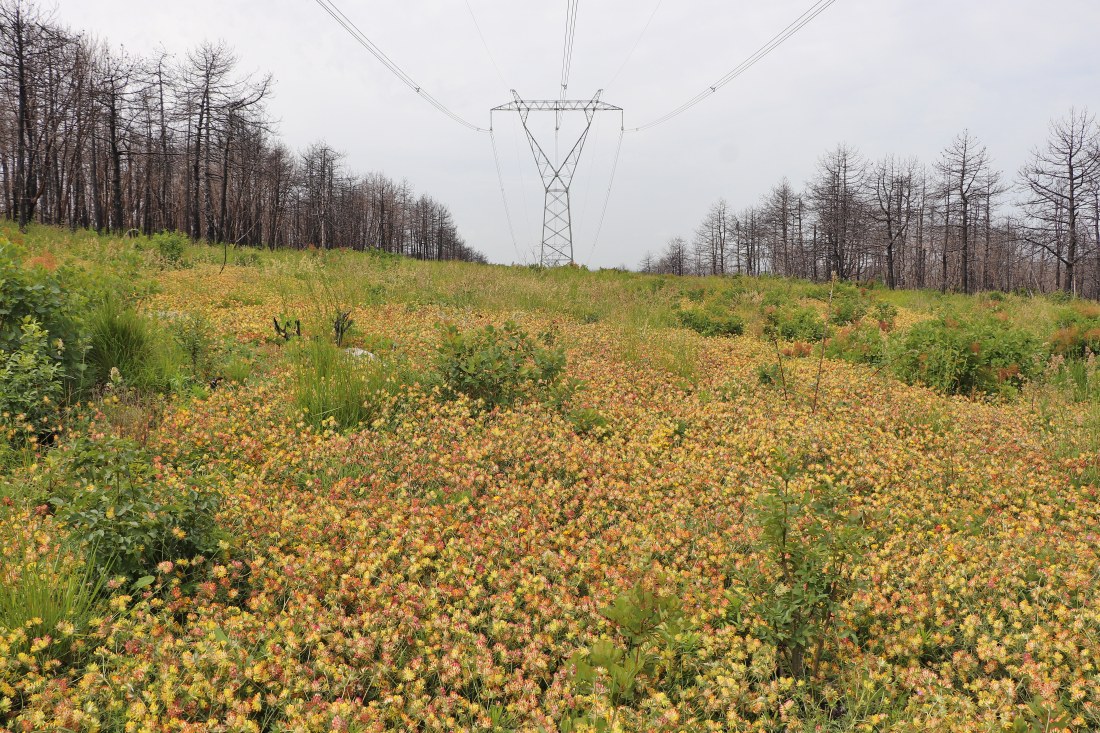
(485, 44)
(814, 10)
(567, 52)
(637, 41)
(607, 196)
(353, 30)
(503, 196)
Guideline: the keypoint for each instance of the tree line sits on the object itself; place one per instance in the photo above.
(957, 224)
(93, 137)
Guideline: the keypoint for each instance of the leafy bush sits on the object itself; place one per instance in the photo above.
(30, 387)
(794, 324)
(980, 356)
(1076, 338)
(110, 501)
(862, 344)
(331, 386)
(847, 308)
(661, 649)
(170, 247)
(195, 337)
(52, 299)
(810, 544)
(497, 367)
(886, 314)
(710, 322)
(589, 421)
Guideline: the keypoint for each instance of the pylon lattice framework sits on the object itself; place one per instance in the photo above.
(557, 222)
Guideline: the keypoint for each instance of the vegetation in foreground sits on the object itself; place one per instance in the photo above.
(336, 491)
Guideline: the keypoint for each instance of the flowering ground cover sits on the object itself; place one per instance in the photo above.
(446, 567)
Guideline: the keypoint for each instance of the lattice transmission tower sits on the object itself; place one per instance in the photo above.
(557, 175)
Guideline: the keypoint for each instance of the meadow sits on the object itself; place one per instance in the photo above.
(326, 490)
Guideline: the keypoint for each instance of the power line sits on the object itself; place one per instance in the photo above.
(637, 41)
(607, 197)
(353, 30)
(567, 52)
(485, 44)
(796, 25)
(504, 198)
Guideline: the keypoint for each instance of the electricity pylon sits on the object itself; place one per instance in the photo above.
(557, 223)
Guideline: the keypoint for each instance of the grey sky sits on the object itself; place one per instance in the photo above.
(900, 76)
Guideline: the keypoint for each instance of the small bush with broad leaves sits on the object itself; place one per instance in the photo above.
(496, 367)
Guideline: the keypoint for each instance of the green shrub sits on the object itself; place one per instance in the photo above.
(31, 388)
(810, 544)
(110, 501)
(1076, 338)
(795, 323)
(980, 356)
(861, 344)
(660, 649)
(709, 322)
(770, 375)
(589, 421)
(886, 314)
(497, 367)
(195, 338)
(332, 386)
(53, 300)
(849, 307)
(170, 247)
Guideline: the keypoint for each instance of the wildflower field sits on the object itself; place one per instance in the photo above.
(524, 500)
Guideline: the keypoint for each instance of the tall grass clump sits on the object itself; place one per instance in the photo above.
(333, 386)
(51, 595)
(123, 344)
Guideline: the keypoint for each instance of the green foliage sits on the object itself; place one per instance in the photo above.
(126, 346)
(49, 591)
(1077, 336)
(660, 650)
(1079, 379)
(331, 386)
(810, 542)
(50, 299)
(108, 499)
(589, 421)
(966, 357)
(770, 375)
(1038, 717)
(498, 367)
(195, 338)
(861, 344)
(794, 323)
(31, 388)
(711, 322)
(848, 307)
(170, 248)
(886, 314)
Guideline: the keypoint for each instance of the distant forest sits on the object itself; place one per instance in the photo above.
(957, 224)
(91, 137)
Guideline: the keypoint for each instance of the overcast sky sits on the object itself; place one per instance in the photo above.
(886, 76)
